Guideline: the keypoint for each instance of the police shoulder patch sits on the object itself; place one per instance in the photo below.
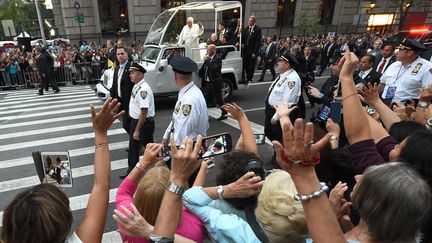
(186, 109)
(291, 84)
(143, 94)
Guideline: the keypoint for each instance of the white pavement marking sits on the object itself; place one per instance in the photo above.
(29, 181)
(256, 128)
(21, 105)
(34, 91)
(254, 109)
(48, 94)
(78, 202)
(48, 113)
(64, 139)
(6, 102)
(54, 106)
(72, 153)
(48, 130)
(44, 121)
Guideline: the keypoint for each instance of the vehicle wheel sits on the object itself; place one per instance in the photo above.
(227, 88)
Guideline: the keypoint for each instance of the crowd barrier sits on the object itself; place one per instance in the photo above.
(77, 73)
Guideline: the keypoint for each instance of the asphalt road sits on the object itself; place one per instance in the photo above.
(61, 122)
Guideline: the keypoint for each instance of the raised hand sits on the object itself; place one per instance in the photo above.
(246, 186)
(103, 119)
(184, 159)
(133, 224)
(151, 154)
(234, 111)
(369, 93)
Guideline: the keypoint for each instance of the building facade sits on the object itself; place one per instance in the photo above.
(131, 19)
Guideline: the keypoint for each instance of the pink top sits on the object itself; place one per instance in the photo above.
(190, 226)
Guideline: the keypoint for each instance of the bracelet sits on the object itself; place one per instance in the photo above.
(101, 145)
(316, 159)
(343, 99)
(140, 168)
(316, 194)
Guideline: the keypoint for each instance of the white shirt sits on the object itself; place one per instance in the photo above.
(190, 116)
(407, 80)
(141, 97)
(363, 74)
(286, 88)
(119, 77)
(189, 35)
(74, 239)
(387, 60)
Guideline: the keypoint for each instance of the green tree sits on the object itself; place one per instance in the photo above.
(306, 24)
(405, 5)
(19, 11)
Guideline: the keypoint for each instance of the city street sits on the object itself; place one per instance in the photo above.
(61, 122)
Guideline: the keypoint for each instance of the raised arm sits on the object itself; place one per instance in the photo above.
(92, 226)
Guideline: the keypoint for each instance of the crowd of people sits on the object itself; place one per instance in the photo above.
(358, 172)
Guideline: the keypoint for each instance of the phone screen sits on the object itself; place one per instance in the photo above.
(324, 113)
(57, 168)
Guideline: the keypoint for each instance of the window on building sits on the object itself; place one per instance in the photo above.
(326, 11)
(286, 12)
(113, 15)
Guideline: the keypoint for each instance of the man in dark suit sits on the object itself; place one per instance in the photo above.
(211, 74)
(386, 58)
(366, 73)
(310, 67)
(329, 49)
(122, 86)
(251, 36)
(269, 59)
(427, 55)
(45, 67)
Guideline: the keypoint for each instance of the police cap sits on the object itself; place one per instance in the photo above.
(410, 44)
(137, 67)
(292, 60)
(183, 65)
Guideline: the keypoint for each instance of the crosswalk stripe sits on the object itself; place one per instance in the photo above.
(48, 130)
(73, 153)
(44, 121)
(31, 91)
(63, 139)
(47, 113)
(43, 99)
(32, 104)
(78, 202)
(29, 181)
(51, 107)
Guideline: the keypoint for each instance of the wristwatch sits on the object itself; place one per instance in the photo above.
(174, 188)
(423, 104)
(429, 123)
(220, 191)
(140, 167)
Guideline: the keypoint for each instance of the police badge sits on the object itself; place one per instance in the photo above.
(291, 84)
(186, 109)
(177, 108)
(143, 94)
(416, 69)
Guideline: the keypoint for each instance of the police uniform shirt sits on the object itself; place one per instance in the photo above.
(285, 88)
(190, 116)
(403, 83)
(141, 97)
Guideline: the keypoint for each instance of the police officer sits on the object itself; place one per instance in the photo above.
(285, 88)
(141, 112)
(403, 79)
(190, 117)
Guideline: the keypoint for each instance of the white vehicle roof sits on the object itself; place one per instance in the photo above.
(217, 6)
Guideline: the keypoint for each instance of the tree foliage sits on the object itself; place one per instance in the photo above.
(19, 11)
(405, 5)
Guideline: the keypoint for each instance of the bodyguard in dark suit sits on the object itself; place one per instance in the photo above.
(251, 37)
(385, 59)
(45, 67)
(427, 55)
(269, 59)
(122, 86)
(366, 73)
(211, 74)
(329, 49)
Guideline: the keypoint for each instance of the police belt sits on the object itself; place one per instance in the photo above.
(148, 119)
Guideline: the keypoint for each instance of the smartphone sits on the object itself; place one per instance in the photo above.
(259, 139)
(324, 113)
(211, 146)
(57, 168)
(336, 111)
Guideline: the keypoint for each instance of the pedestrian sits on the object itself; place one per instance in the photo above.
(386, 58)
(366, 74)
(141, 112)
(122, 86)
(45, 67)
(251, 35)
(269, 59)
(329, 49)
(285, 88)
(190, 116)
(211, 74)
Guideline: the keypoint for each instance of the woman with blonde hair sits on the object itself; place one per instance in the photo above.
(280, 216)
(149, 186)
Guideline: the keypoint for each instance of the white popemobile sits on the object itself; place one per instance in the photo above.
(161, 42)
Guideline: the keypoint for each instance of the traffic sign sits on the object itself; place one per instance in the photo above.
(79, 17)
(77, 6)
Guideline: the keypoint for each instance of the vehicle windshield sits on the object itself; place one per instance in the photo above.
(150, 54)
(156, 31)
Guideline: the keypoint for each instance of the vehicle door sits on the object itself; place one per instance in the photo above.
(165, 76)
